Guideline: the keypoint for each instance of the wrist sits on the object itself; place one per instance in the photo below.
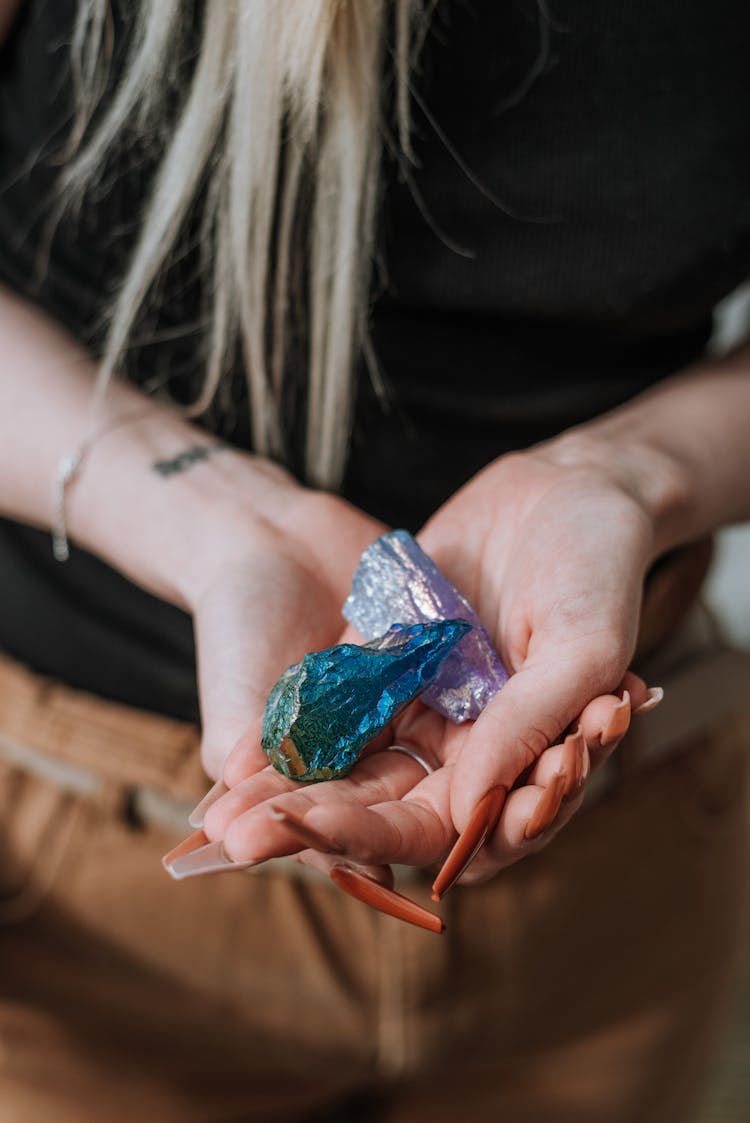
(233, 507)
(650, 475)
(166, 504)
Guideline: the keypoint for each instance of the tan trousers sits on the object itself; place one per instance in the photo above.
(585, 985)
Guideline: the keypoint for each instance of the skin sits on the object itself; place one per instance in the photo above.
(524, 541)
(567, 631)
(551, 545)
(261, 563)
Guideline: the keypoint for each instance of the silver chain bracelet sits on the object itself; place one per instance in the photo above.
(68, 468)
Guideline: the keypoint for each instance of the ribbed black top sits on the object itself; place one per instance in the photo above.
(579, 203)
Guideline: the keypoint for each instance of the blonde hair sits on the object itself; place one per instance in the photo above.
(284, 102)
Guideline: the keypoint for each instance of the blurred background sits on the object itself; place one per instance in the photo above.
(728, 1096)
(728, 593)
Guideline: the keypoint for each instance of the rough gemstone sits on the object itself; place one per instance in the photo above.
(323, 711)
(397, 581)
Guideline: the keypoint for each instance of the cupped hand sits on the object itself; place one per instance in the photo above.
(267, 587)
(389, 811)
(552, 553)
(552, 549)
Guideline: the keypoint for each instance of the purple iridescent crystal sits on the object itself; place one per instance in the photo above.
(396, 582)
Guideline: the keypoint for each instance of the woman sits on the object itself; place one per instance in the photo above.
(553, 247)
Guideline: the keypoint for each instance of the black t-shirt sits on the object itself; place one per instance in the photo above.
(579, 203)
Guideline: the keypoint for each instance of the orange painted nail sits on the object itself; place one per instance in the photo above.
(586, 765)
(618, 723)
(470, 842)
(574, 753)
(547, 807)
(653, 698)
(371, 892)
(305, 833)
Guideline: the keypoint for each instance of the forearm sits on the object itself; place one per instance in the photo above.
(147, 525)
(682, 449)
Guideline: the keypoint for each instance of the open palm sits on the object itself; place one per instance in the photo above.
(553, 559)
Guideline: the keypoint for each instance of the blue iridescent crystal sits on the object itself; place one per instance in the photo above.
(397, 580)
(323, 711)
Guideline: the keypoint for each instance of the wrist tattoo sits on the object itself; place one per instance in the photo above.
(188, 458)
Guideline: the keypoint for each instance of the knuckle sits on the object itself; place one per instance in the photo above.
(216, 821)
(373, 853)
(372, 786)
(432, 834)
(532, 741)
(611, 662)
(601, 659)
(235, 841)
(438, 834)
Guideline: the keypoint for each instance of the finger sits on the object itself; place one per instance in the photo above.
(570, 758)
(534, 814)
(636, 688)
(324, 863)
(246, 757)
(373, 886)
(530, 819)
(654, 697)
(605, 722)
(520, 823)
(415, 830)
(531, 711)
(643, 699)
(520, 723)
(550, 795)
(595, 722)
(378, 778)
(365, 889)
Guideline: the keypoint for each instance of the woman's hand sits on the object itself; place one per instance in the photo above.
(262, 563)
(552, 548)
(386, 808)
(552, 554)
(265, 589)
(551, 545)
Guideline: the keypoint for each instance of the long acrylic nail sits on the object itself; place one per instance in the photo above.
(305, 833)
(194, 841)
(585, 766)
(618, 723)
(210, 858)
(574, 752)
(198, 814)
(371, 892)
(547, 807)
(654, 695)
(481, 824)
